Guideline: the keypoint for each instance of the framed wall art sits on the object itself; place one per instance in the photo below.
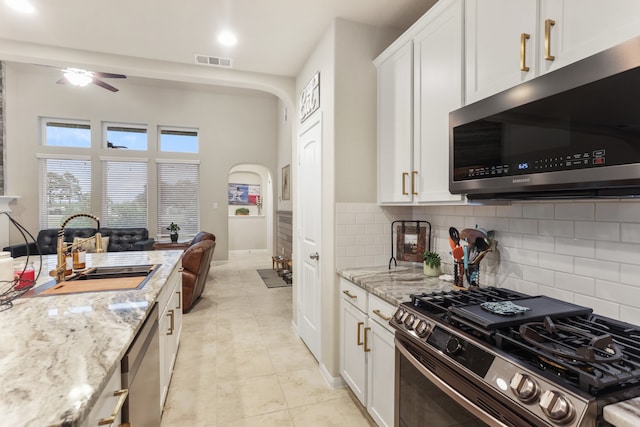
(286, 183)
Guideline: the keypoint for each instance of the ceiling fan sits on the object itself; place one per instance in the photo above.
(80, 77)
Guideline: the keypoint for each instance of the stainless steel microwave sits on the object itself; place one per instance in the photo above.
(572, 133)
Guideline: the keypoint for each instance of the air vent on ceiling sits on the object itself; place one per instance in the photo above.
(214, 61)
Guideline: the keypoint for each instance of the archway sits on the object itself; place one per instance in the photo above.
(250, 208)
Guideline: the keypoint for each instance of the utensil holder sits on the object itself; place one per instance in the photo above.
(466, 278)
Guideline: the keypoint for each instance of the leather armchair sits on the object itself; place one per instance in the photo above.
(202, 235)
(196, 262)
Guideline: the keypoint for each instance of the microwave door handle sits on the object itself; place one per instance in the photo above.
(448, 390)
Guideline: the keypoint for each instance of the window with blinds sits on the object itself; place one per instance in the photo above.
(124, 193)
(66, 133)
(178, 140)
(65, 189)
(178, 197)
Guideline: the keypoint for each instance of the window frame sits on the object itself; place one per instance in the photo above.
(132, 126)
(162, 128)
(45, 120)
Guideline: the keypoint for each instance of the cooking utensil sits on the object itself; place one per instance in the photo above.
(454, 234)
(458, 254)
(471, 234)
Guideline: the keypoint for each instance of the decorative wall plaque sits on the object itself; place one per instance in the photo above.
(310, 98)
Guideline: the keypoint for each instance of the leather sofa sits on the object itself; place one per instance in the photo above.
(120, 239)
(196, 262)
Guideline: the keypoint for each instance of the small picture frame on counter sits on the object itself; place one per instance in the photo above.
(411, 243)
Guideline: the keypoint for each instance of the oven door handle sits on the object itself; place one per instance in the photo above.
(448, 390)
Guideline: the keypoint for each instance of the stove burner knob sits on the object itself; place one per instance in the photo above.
(408, 322)
(453, 346)
(524, 387)
(400, 312)
(557, 407)
(422, 328)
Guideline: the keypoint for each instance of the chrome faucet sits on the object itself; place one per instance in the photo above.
(63, 247)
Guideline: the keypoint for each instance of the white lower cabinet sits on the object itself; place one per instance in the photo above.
(170, 327)
(367, 352)
(106, 411)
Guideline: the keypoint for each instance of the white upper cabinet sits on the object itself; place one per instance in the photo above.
(438, 91)
(419, 83)
(508, 42)
(395, 126)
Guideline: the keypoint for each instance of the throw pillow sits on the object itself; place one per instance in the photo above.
(90, 245)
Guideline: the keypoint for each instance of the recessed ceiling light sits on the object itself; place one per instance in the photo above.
(227, 38)
(23, 6)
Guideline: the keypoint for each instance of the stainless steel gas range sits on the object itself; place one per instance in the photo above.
(497, 357)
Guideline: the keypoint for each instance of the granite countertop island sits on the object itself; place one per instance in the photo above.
(57, 352)
(395, 285)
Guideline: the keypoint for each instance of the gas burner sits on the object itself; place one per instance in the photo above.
(571, 343)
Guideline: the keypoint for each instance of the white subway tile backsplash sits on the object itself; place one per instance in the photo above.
(538, 275)
(619, 252)
(575, 247)
(626, 211)
(539, 243)
(510, 211)
(604, 308)
(574, 283)
(629, 313)
(597, 230)
(555, 262)
(538, 210)
(596, 268)
(630, 274)
(630, 233)
(575, 211)
(583, 251)
(555, 228)
(525, 226)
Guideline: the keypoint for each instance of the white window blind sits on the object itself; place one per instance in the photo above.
(65, 189)
(178, 197)
(124, 193)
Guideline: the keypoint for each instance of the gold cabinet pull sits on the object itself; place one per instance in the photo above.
(347, 293)
(360, 324)
(523, 51)
(413, 182)
(110, 419)
(548, 23)
(179, 300)
(366, 349)
(404, 187)
(171, 325)
(379, 314)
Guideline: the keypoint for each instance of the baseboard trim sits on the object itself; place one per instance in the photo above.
(335, 382)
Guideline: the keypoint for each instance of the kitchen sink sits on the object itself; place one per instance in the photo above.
(114, 272)
(99, 279)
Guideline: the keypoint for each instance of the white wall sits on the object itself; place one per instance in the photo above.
(586, 252)
(348, 107)
(235, 126)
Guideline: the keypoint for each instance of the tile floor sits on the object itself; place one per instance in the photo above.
(241, 364)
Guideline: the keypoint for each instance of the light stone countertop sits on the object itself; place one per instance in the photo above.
(57, 352)
(623, 414)
(395, 285)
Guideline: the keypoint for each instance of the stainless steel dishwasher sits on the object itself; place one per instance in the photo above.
(141, 375)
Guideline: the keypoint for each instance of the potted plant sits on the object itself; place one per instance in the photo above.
(242, 211)
(173, 228)
(431, 264)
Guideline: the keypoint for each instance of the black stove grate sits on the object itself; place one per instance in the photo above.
(593, 377)
(596, 376)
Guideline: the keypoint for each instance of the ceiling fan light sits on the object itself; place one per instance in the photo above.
(78, 77)
(22, 6)
(227, 38)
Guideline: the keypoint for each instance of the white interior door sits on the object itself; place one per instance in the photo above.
(309, 196)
